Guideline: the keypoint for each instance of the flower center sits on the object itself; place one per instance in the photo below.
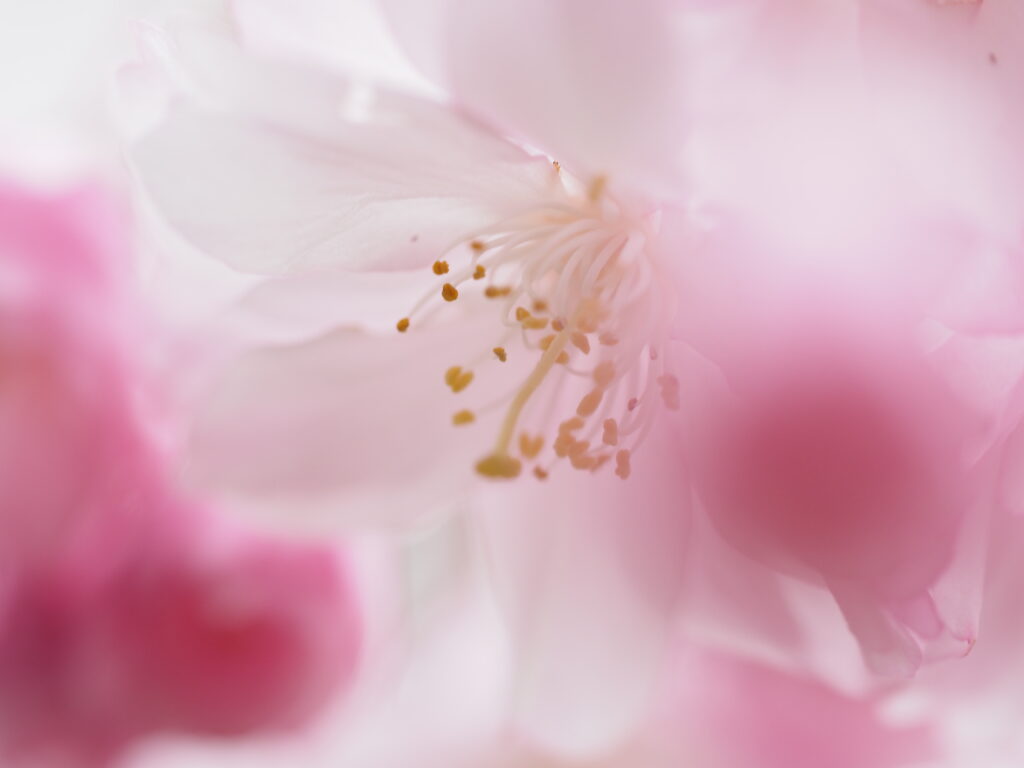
(578, 289)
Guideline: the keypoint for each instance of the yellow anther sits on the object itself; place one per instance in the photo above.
(557, 166)
(440, 267)
(497, 291)
(622, 468)
(499, 466)
(563, 358)
(463, 417)
(530, 446)
(669, 391)
(563, 445)
(589, 402)
(540, 473)
(579, 447)
(596, 188)
(581, 342)
(522, 313)
(535, 323)
(608, 338)
(480, 272)
(500, 353)
(570, 425)
(540, 305)
(457, 379)
(632, 404)
(449, 292)
(558, 324)
(611, 432)
(589, 316)
(581, 461)
(546, 342)
(604, 374)
(402, 325)
(478, 245)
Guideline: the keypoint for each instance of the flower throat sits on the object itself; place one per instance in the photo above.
(577, 290)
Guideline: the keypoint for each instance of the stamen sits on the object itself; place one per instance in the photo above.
(582, 269)
(530, 447)
(669, 391)
(570, 425)
(622, 468)
(457, 379)
(589, 403)
(581, 343)
(463, 417)
(581, 461)
(499, 458)
(611, 432)
(604, 374)
(499, 466)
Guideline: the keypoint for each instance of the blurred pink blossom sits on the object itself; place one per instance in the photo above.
(125, 609)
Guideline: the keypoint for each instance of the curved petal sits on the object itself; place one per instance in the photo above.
(274, 168)
(599, 85)
(349, 427)
(743, 714)
(588, 568)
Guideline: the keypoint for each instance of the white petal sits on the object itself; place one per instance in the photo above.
(274, 168)
(350, 428)
(598, 85)
(588, 568)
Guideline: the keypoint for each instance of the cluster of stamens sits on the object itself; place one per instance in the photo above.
(578, 291)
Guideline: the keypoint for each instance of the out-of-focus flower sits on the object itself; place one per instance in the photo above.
(577, 295)
(125, 609)
(710, 709)
(857, 295)
(537, 319)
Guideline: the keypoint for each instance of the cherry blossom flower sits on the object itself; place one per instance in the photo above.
(125, 608)
(623, 236)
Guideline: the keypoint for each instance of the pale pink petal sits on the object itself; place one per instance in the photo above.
(273, 168)
(740, 714)
(350, 427)
(589, 568)
(68, 396)
(600, 86)
(255, 636)
(351, 38)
